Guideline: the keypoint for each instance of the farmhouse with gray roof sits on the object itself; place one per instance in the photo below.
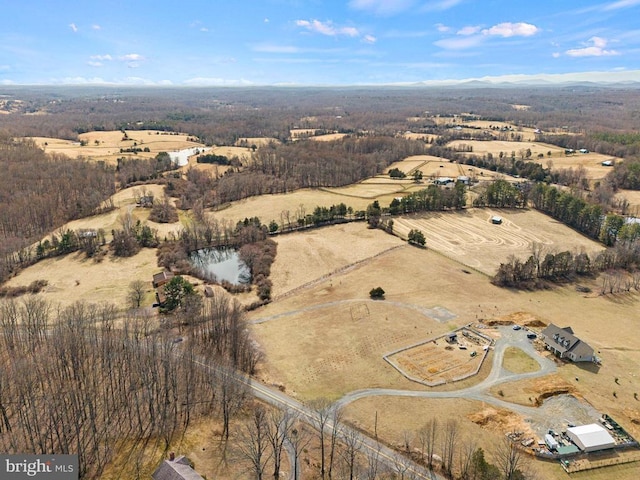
(564, 344)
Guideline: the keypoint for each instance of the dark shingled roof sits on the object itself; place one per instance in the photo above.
(562, 340)
(178, 469)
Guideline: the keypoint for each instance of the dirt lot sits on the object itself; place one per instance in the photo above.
(469, 237)
(439, 361)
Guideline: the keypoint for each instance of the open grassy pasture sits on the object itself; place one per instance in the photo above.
(317, 248)
(106, 145)
(270, 207)
(496, 146)
(591, 162)
(419, 136)
(75, 278)
(633, 197)
(470, 238)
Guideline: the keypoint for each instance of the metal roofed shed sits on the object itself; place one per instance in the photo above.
(550, 441)
(590, 438)
(496, 220)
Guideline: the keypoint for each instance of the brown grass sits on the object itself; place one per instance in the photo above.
(109, 144)
(517, 361)
(471, 238)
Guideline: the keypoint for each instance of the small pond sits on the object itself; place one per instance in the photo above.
(221, 264)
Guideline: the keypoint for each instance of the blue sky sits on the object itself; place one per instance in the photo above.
(316, 42)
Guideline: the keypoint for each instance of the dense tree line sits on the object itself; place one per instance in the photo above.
(563, 266)
(618, 144)
(131, 170)
(570, 208)
(503, 194)
(432, 198)
(625, 175)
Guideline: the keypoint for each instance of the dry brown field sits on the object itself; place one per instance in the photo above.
(420, 136)
(496, 146)
(317, 249)
(470, 238)
(270, 207)
(328, 137)
(633, 197)
(106, 146)
(316, 345)
(75, 278)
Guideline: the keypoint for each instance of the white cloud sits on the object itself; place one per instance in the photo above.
(621, 4)
(93, 63)
(327, 28)
(509, 29)
(470, 30)
(132, 57)
(555, 54)
(204, 29)
(382, 7)
(442, 28)
(73, 27)
(369, 39)
(266, 20)
(101, 57)
(596, 49)
(96, 27)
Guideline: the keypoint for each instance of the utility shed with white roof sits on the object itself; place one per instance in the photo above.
(590, 438)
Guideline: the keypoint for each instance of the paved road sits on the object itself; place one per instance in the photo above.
(497, 376)
(370, 446)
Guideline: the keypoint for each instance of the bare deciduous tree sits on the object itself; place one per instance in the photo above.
(254, 442)
(135, 295)
(449, 445)
(509, 458)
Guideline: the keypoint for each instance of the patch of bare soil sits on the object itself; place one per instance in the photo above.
(500, 420)
(533, 392)
(525, 319)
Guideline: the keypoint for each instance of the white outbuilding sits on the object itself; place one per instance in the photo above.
(590, 438)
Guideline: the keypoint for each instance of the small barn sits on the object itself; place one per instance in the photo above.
(161, 278)
(591, 438)
(496, 220)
